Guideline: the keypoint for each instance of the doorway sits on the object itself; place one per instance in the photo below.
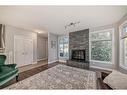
(23, 50)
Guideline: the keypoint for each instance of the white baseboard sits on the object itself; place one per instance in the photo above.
(42, 59)
(34, 62)
(64, 61)
(52, 61)
(108, 69)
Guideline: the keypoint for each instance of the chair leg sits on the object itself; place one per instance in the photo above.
(17, 78)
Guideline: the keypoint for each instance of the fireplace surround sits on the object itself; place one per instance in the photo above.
(78, 55)
(79, 40)
(79, 49)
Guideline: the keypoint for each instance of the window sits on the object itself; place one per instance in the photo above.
(63, 46)
(101, 46)
(125, 29)
(123, 46)
(125, 52)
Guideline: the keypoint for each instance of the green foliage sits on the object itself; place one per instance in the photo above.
(101, 50)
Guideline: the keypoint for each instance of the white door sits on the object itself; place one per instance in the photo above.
(23, 48)
(19, 52)
(28, 51)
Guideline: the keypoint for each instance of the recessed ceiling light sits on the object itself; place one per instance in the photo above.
(39, 31)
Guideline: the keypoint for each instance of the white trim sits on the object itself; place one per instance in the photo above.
(42, 59)
(103, 30)
(52, 61)
(34, 62)
(96, 67)
(100, 62)
(100, 40)
(64, 61)
(122, 36)
(62, 37)
(112, 39)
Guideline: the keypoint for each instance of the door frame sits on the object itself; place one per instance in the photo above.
(22, 37)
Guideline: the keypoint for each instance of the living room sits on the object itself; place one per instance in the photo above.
(68, 47)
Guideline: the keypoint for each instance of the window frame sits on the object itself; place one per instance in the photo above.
(112, 42)
(122, 36)
(62, 37)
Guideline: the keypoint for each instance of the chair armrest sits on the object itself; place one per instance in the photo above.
(102, 85)
(11, 65)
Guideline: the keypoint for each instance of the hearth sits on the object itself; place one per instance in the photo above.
(78, 55)
(78, 59)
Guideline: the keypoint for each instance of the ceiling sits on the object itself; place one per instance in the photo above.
(54, 18)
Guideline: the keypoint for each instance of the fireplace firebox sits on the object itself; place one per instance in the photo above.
(78, 55)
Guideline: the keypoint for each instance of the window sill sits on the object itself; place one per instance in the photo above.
(101, 68)
(101, 65)
(103, 62)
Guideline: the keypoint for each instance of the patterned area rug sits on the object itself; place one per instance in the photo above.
(59, 77)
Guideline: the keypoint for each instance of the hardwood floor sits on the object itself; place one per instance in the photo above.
(31, 72)
(31, 66)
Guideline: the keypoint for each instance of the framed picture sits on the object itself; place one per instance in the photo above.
(53, 44)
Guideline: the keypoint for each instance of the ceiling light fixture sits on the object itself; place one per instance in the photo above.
(71, 24)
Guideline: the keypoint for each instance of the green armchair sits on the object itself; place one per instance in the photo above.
(7, 71)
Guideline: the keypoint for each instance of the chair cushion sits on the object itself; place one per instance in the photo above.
(7, 72)
(116, 80)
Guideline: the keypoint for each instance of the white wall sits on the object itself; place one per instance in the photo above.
(52, 52)
(41, 48)
(9, 41)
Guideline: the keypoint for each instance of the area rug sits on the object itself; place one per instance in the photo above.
(59, 77)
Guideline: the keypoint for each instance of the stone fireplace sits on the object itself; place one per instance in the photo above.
(79, 49)
(79, 40)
